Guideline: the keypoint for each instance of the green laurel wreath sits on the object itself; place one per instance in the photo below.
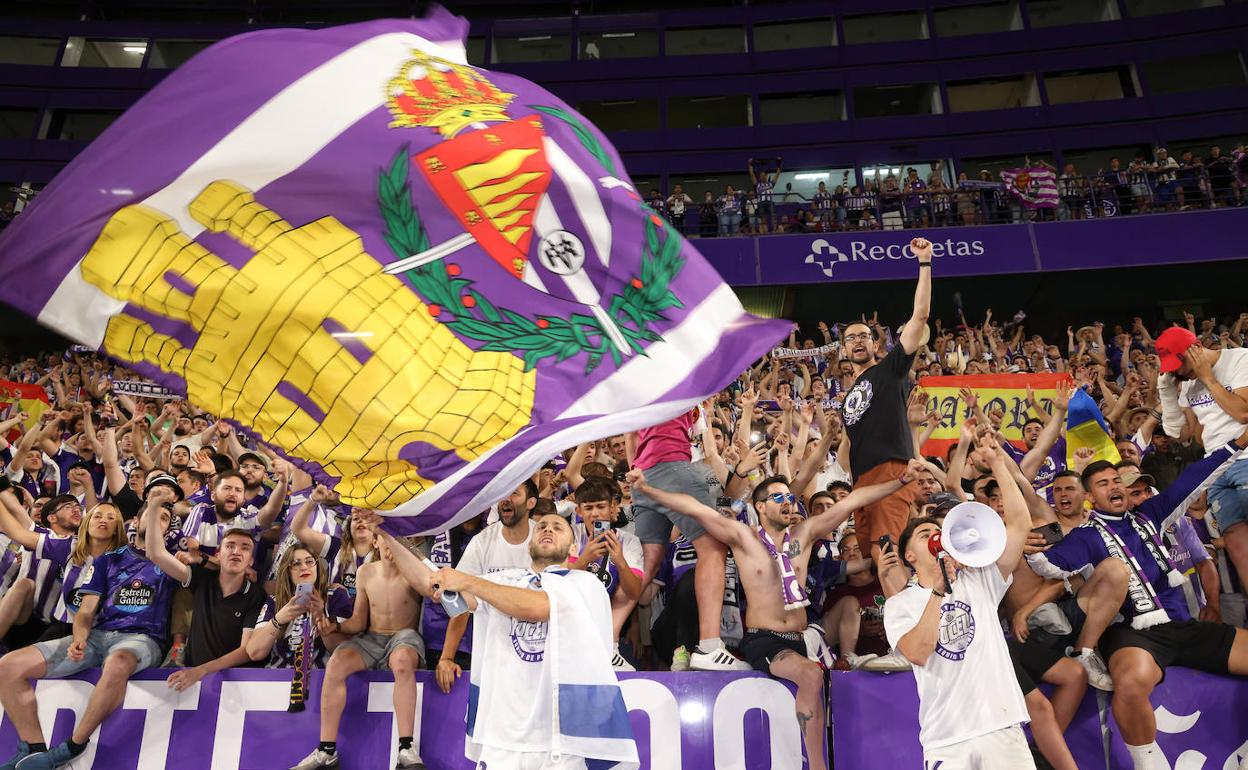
(470, 314)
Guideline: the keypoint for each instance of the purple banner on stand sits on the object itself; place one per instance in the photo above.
(1201, 723)
(1163, 239)
(238, 719)
(881, 255)
(885, 254)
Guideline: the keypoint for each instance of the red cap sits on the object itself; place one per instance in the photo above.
(1171, 345)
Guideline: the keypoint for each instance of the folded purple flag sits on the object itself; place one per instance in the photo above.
(419, 278)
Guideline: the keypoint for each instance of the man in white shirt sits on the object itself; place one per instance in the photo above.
(502, 545)
(970, 704)
(532, 623)
(1212, 391)
(611, 555)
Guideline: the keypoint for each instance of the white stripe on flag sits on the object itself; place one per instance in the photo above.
(273, 141)
(642, 380)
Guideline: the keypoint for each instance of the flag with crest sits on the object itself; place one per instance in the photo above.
(418, 278)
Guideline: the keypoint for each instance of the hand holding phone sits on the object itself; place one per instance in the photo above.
(303, 592)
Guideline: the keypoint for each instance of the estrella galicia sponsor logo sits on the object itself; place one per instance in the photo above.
(957, 630)
(528, 639)
(135, 596)
(826, 256)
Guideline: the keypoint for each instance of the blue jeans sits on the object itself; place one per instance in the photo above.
(100, 644)
(729, 223)
(1228, 496)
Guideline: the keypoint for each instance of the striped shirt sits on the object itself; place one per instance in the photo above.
(74, 577)
(763, 188)
(344, 576)
(43, 567)
(10, 562)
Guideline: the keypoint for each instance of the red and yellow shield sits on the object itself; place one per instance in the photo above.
(492, 180)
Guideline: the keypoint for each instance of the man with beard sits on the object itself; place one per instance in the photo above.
(206, 521)
(251, 468)
(1160, 631)
(502, 545)
(522, 657)
(38, 583)
(772, 561)
(874, 412)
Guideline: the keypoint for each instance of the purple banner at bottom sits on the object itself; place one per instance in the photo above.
(1202, 723)
(237, 720)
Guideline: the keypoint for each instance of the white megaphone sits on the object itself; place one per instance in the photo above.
(973, 534)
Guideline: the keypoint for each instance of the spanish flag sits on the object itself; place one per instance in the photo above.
(1085, 427)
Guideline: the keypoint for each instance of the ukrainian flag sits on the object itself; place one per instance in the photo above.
(1085, 427)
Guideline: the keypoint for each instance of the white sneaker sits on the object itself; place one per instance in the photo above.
(1098, 672)
(858, 661)
(619, 664)
(409, 760)
(894, 661)
(317, 759)
(718, 659)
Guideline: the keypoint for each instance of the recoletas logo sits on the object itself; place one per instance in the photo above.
(826, 256)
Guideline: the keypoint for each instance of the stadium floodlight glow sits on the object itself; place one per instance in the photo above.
(533, 38)
(819, 175)
(136, 48)
(619, 34)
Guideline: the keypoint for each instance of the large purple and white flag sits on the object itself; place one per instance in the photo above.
(1035, 188)
(419, 278)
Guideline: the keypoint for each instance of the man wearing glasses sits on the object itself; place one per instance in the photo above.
(874, 413)
(38, 584)
(772, 561)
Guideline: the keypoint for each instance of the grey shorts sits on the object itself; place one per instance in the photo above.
(100, 644)
(653, 522)
(375, 649)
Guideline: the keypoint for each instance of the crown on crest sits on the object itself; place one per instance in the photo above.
(433, 92)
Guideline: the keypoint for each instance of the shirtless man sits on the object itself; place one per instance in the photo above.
(775, 616)
(387, 606)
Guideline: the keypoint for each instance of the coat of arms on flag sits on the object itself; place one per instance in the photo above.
(415, 277)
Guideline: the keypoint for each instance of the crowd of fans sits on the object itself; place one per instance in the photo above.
(264, 567)
(889, 202)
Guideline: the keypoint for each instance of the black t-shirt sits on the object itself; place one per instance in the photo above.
(127, 502)
(218, 621)
(874, 411)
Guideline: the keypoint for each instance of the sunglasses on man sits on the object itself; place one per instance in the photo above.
(782, 497)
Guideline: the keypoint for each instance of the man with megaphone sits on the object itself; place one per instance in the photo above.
(945, 623)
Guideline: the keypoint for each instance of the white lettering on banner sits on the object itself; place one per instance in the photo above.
(56, 694)
(774, 699)
(381, 700)
(237, 698)
(859, 250)
(662, 715)
(158, 701)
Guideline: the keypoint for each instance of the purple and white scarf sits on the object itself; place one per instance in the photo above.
(1140, 592)
(791, 589)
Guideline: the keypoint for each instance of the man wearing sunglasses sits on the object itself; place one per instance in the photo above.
(772, 562)
(874, 412)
